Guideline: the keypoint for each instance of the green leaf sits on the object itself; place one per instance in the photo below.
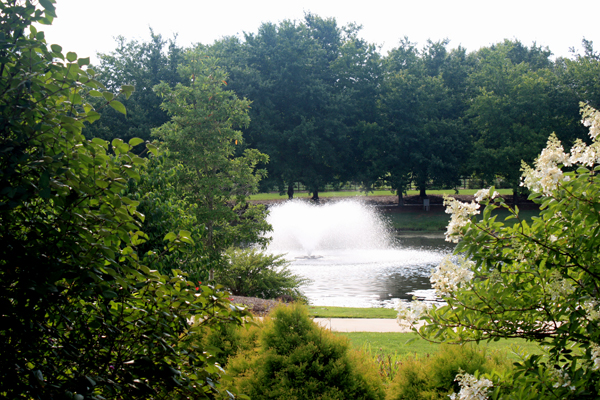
(56, 48)
(83, 61)
(117, 105)
(109, 294)
(127, 90)
(108, 96)
(135, 141)
(71, 57)
(170, 236)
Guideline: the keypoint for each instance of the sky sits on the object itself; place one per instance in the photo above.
(90, 26)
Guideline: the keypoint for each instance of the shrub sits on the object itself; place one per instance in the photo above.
(433, 377)
(296, 359)
(256, 274)
(537, 280)
(83, 315)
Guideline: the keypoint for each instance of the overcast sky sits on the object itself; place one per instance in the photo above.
(89, 26)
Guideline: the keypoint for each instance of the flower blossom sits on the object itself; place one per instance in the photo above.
(461, 216)
(595, 357)
(408, 313)
(591, 309)
(591, 119)
(558, 287)
(471, 388)
(447, 276)
(484, 194)
(547, 173)
(561, 378)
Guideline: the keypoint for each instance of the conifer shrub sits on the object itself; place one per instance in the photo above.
(296, 359)
(432, 377)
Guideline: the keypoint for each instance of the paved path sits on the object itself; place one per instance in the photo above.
(361, 325)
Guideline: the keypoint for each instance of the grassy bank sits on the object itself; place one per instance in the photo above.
(437, 220)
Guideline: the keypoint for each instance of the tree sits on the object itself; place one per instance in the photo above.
(141, 65)
(203, 135)
(83, 315)
(425, 134)
(298, 113)
(518, 102)
(536, 281)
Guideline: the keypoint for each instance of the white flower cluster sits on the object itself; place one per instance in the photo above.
(582, 154)
(447, 276)
(561, 378)
(461, 215)
(484, 194)
(547, 173)
(591, 309)
(558, 287)
(591, 119)
(409, 313)
(471, 388)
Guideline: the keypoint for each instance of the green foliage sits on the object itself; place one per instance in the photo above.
(166, 209)
(141, 64)
(297, 359)
(432, 378)
(202, 137)
(82, 315)
(253, 273)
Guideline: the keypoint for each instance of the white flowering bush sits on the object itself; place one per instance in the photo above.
(537, 280)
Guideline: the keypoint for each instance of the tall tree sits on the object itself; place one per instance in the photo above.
(513, 111)
(297, 109)
(425, 133)
(202, 135)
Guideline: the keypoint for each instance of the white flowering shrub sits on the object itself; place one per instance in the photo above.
(539, 280)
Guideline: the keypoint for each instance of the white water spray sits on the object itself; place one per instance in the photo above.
(348, 252)
(346, 225)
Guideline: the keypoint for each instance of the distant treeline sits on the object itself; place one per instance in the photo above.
(328, 108)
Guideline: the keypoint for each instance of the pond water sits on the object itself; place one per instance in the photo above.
(352, 260)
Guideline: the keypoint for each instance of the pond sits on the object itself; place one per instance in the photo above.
(350, 256)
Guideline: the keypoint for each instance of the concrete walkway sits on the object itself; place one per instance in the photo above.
(361, 325)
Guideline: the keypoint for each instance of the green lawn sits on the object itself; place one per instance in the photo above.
(398, 344)
(351, 193)
(348, 312)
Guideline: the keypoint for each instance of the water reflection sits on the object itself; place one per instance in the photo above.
(367, 278)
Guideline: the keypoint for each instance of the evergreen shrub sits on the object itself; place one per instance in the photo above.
(295, 359)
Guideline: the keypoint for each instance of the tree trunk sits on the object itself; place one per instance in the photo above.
(400, 199)
(315, 196)
(290, 191)
(515, 200)
(422, 192)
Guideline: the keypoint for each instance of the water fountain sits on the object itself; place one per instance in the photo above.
(349, 252)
